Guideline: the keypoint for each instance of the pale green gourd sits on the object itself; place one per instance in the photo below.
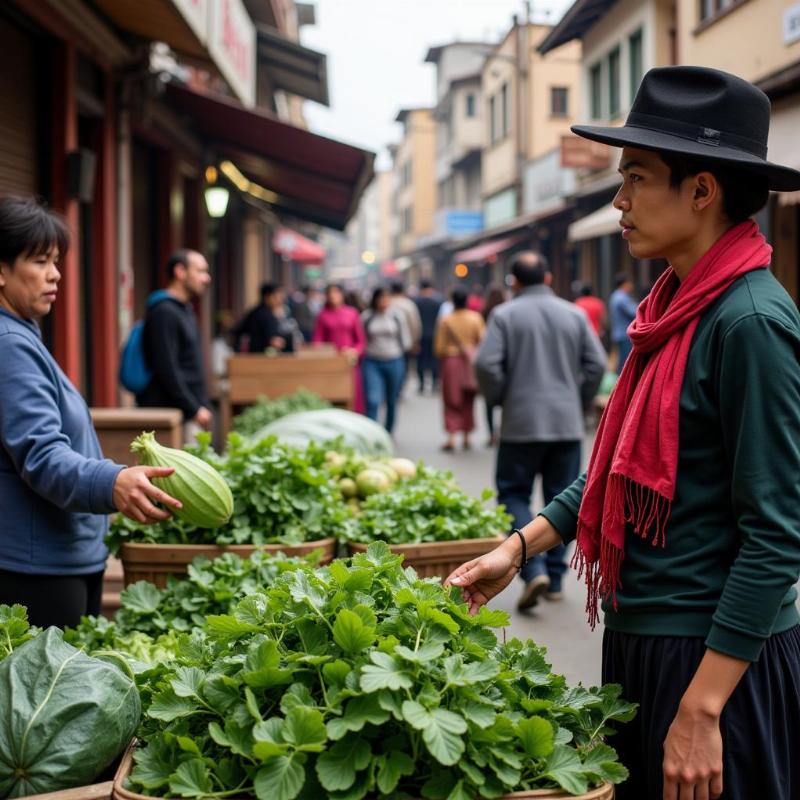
(206, 497)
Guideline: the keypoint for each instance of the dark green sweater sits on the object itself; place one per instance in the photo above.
(732, 553)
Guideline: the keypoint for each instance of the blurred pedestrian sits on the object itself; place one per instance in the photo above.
(542, 361)
(408, 308)
(622, 311)
(495, 296)
(475, 300)
(340, 325)
(457, 338)
(355, 299)
(304, 309)
(56, 489)
(172, 345)
(264, 326)
(222, 343)
(388, 340)
(687, 522)
(428, 303)
(593, 307)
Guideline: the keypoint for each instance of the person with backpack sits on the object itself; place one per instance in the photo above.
(457, 338)
(388, 340)
(56, 489)
(171, 344)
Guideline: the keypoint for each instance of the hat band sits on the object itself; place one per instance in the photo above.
(696, 133)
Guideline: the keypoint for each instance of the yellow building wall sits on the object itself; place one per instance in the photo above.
(747, 41)
(423, 173)
(499, 164)
(419, 146)
(560, 67)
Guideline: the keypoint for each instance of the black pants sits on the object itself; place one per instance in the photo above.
(760, 725)
(518, 464)
(427, 363)
(59, 600)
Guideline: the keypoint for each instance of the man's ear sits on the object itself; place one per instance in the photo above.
(705, 190)
(548, 278)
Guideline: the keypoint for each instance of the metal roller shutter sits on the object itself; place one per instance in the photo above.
(18, 163)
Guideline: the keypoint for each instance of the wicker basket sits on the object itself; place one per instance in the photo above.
(155, 562)
(437, 559)
(604, 792)
(93, 791)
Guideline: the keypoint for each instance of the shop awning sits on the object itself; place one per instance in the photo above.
(160, 20)
(599, 223)
(484, 250)
(293, 246)
(292, 67)
(306, 175)
(579, 17)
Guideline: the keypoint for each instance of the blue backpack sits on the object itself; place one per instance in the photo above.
(134, 374)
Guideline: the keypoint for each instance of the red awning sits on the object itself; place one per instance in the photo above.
(484, 250)
(296, 247)
(309, 176)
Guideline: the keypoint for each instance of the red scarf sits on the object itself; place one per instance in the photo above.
(632, 471)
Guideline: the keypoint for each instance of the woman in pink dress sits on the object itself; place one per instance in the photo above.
(340, 325)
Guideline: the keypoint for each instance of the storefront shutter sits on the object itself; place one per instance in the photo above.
(18, 167)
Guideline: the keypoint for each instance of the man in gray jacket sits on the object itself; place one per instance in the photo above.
(542, 362)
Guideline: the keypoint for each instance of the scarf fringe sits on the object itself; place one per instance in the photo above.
(630, 503)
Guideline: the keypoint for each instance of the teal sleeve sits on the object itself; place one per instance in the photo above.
(562, 513)
(759, 399)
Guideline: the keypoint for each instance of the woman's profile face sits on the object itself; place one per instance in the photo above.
(29, 286)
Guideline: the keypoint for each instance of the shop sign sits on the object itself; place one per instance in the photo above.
(457, 222)
(580, 153)
(545, 181)
(791, 24)
(232, 45)
(195, 12)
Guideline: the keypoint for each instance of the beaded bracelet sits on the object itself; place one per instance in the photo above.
(524, 559)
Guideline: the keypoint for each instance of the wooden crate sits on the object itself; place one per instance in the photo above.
(118, 427)
(436, 559)
(251, 375)
(156, 562)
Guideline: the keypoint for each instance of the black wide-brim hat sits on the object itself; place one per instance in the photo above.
(703, 113)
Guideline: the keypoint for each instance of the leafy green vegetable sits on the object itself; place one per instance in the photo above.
(360, 678)
(147, 624)
(429, 508)
(64, 717)
(14, 629)
(282, 495)
(264, 411)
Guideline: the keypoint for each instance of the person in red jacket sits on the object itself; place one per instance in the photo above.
(593, 307)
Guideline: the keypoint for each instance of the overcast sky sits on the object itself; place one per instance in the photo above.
(376, 51)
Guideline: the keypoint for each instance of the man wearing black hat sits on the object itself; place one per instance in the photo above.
(688, 519)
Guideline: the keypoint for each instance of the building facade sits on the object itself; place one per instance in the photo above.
(121, 115)
(414, 179)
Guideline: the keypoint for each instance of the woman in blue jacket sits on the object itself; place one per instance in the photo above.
(56, 489)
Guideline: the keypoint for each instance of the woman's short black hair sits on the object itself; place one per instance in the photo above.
(743, 193)
(29, 229)
(379, 293)
(459, 299)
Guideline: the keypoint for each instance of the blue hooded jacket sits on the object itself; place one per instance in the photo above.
(55, 486)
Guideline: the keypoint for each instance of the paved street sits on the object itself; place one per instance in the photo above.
(573, 649)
